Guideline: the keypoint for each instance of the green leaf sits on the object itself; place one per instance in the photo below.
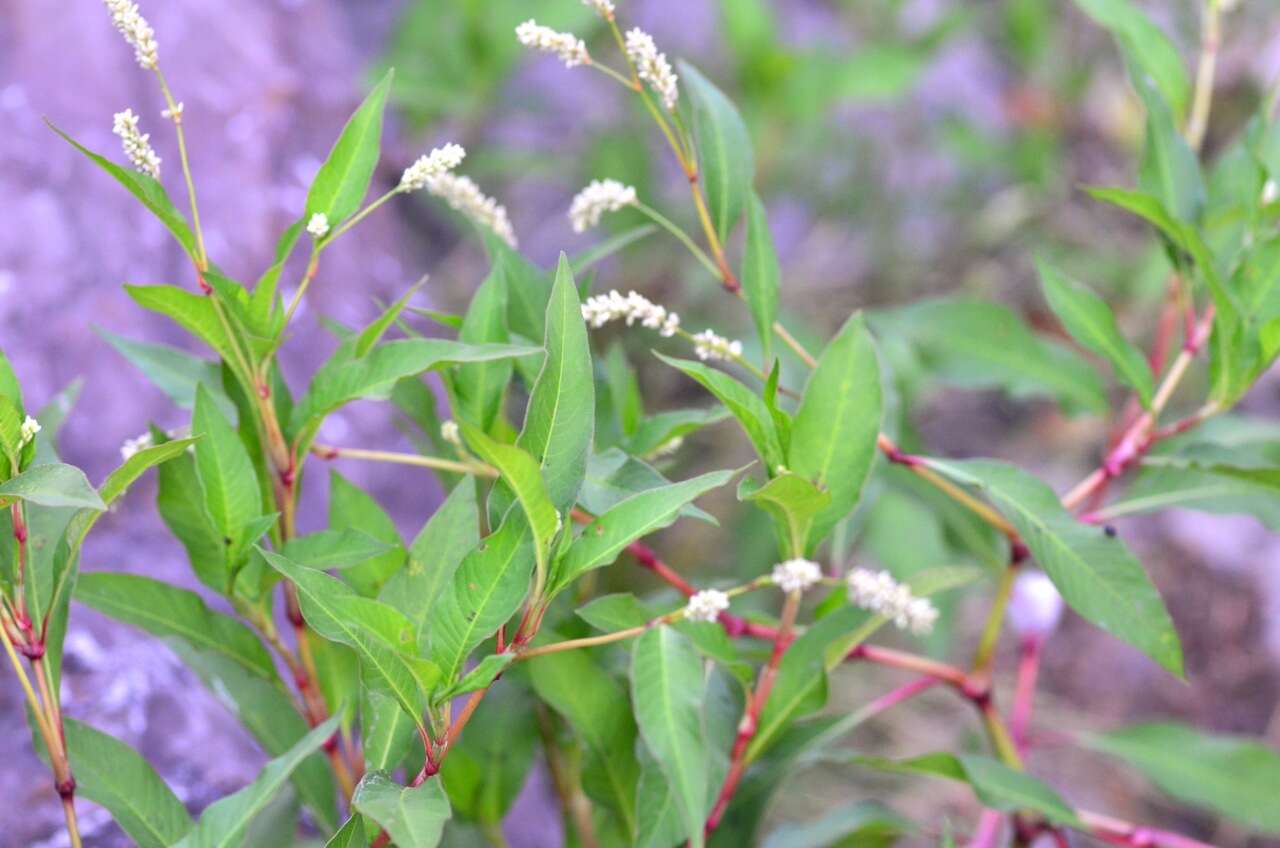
(337, 613)
(725, 161)
(174, 613)
(487, 589)
(833, 437)
(520, 471)
(612, 477)
(336, 548)
(996, 785)
(340, 381)
(744, 404)
(560, 418)
(637, 516)
(223, 823)
(793, 502)
(450, 534)
(479, 388)
(1096, 574)
(488, 765)
(1151, 48)
(343, 180)
(350, 835)
(174, 371)
(227, 477)
(481, 677)
(1090, 322)
(146, 189)
(862, 823)
(667, 689)
(1232, 775)
(761, 275)
(353, 509)
(194, 313)
(596, 254)
(110, 773)
(656, 431)
(181, 505)
(1170, 170)
(413, 816)
(978, 344)
(51, 485)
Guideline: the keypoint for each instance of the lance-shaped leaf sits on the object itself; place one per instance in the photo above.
(350, 835)
(1091, 322)
(119, 481)
(637, 516)
(744, 404)
(793, 502)
(337, 613)
(1231, 775)
(227, 476)
(481, 677)
(147, 189)
(1170, 170)
(520, 471)
(375, 375)
(613, 476)
(53, 485)
(1150, 47)
(725, 160)
(413, 816)
(478, 388)
(194, 313)
(174, 371)
(223, 823)
(833, 437)
(1096, 574)
(996, 785)
(352, 508)
(343, 179)
(655, 431)
(336, 548)
(560, 419)
(667, 689)
(112, 774)
(761, 274)
(486, 590)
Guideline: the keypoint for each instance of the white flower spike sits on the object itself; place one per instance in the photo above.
(880, 593)
(438, 162)
(463, 195)
(318, 226)
(599, 197)
(635, 307)
(706, 605)
(132, 446)
(712, 347)
(136, 144)
(604, 8)
(136, 31)
(28, 431)
(796, 575)
(653, 67)
(571, 49)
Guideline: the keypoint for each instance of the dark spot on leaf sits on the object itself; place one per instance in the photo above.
(1110, 531)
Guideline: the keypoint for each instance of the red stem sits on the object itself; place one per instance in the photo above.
(1025, 689)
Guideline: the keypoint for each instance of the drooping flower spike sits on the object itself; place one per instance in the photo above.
(571, 49)
(653, 67)
(880, 593)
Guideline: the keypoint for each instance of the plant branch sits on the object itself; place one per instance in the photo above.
(434, 462)
(567, 780)
(1115, 831)
(1202, 97)
(175, 115)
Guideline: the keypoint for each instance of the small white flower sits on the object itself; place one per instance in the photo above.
(136, 31)
(1270, 192)
(796, 575)
(571, 49)
(653, 67)
(635, 307)
(463, 195)
(175, 114)
(28, 431)
(881, 594)
(667, 448)
(318, 226)
(603, 7)
(136, 144)
(450, 433)
(597, 198)
(132, 446)
(706, 605)
(1035, 607)
(439, 161)
(710, 346)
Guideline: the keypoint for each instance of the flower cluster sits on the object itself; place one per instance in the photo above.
(136, 144)
(465, 196)
(796, 575)
(132, 446)
(318, 226)
(28, 431)
(635, 307)
(709, 346)
(879, 592)
(597, 198)
(653, 67)
(706, 605)
(571, 49)
(136, 31)
(450, 433)
(439, 161)
(603, 7)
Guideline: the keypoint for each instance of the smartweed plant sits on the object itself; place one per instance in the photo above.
(405, 691)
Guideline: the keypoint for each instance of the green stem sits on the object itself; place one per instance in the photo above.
(667, 224)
